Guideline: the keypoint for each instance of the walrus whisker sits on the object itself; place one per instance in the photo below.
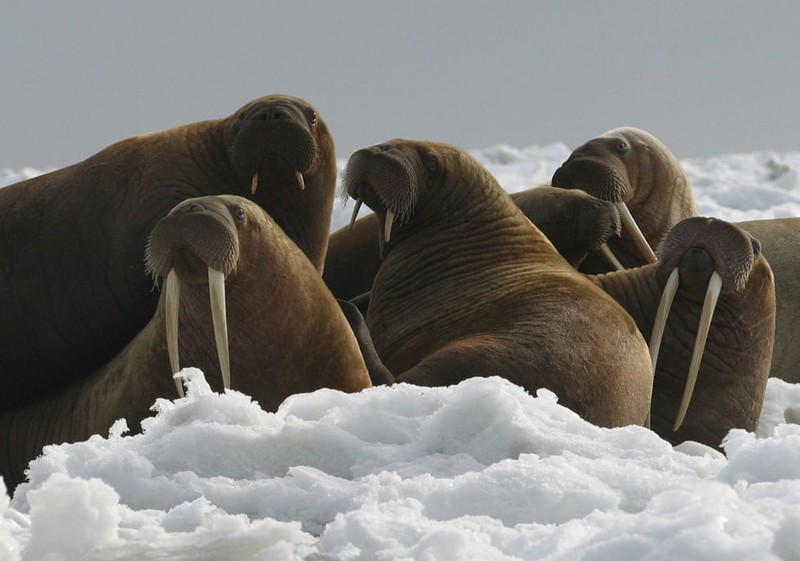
(172, 296)
(300, 181)
(254, 184)
(387, 227)
(609, 256)
(636, 233)
(710, 303)
(660, 323)
(356, 208)
(216, 290)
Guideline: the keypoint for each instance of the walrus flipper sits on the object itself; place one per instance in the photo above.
(378, 373)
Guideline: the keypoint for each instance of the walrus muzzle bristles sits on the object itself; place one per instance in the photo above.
(659, 324)
(216, 289)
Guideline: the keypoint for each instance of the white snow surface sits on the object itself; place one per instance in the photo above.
(481, 470)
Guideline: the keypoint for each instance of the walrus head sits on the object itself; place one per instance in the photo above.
(687, 260)
(575, 221)
(623, 166)
(198, 242)
(397, 179)
(274, 140)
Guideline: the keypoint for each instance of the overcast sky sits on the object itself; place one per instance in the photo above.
(707, 77)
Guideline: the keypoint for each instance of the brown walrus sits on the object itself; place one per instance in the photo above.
(469, 287)
(732, 368)
(574, 221)
(72, 242)
(281, 332)
(633, 167)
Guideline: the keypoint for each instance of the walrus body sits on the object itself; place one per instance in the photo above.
(574, 221)
(287, 333)
(468, 286)
(72, 278)
(631, 166)
(780, 240)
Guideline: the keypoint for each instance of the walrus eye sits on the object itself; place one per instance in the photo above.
(238, 213)
(312, 118)
(621, 147)
(431, 163)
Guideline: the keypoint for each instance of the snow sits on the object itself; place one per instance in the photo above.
(481, 470)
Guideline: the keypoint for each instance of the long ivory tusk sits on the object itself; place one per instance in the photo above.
(355, 212)
(712, 294)
(172, 297)
(216, 290)
(633, 230)
(660, 323)
(606, 252)
(300, 180)
(254, 184)
(387, 227)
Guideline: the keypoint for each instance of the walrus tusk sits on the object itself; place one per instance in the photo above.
(300, 181)
(660, 323)
(172, 298)
(356, 208)
(606, 252)
(633, 230)
(254, 184)
(216, 290)
(387, 227)
(710, 303)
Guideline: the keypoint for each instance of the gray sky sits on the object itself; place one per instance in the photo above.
(707, 77)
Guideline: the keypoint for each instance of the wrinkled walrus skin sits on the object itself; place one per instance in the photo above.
(470, 287)
(286, 332)
(72, 279)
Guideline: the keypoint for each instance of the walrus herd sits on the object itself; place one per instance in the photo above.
(209, 245)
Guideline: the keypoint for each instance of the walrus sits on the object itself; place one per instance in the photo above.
(574, 221)
(633, 167)
(72, 242)
(707, 379)
(270, 327)
(468, 286)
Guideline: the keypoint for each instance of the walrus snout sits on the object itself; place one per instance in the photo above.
(195, 236)
(732, 250)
